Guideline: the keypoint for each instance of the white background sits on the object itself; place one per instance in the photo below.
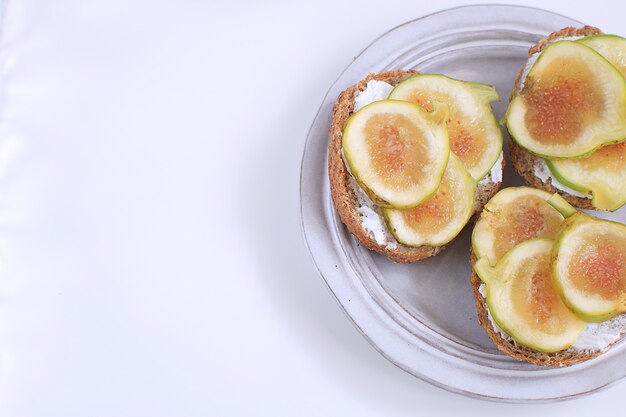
(151, 259)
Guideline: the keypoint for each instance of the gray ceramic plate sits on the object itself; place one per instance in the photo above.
(422, 317)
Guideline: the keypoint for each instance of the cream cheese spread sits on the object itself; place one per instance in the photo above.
(542, 172)
(495, 175)
(371, 218)
(375, 91)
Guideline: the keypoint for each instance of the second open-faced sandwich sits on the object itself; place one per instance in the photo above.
(567, 118)
(549, 282)
(411, 158)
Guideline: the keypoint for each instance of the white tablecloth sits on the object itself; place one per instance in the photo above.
(151, 259)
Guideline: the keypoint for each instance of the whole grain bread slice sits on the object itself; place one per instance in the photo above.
(343, 195)
(523, 161)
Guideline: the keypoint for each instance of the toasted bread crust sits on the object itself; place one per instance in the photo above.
(343, 196)
(509, 347)
(485, 191)
(523, 161)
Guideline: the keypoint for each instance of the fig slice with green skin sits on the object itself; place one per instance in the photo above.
(440, 218)
(611, 47)
(397, 151)
(523, 301)
(602, 174)
(475, 135)
(573, 101)
(513, 216)
(561, 205)
(589, 267)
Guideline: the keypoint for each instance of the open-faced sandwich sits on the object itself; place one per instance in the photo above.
(549, 282)
(567, 118)
(411, 158)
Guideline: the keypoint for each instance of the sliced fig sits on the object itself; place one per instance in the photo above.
(440, 218)
(523, 301)
(573, 101)
(397, 151)
(475, 136)
(611, 47)
(561, 205)
(602, 174)
(513, 216)
(589, 267)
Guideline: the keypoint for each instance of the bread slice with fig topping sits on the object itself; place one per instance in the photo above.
(525, 312)
(585, 190)
(362, 217)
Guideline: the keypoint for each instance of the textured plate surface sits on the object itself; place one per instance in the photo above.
(422, 317)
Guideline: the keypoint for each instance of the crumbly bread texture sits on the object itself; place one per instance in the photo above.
(524, 162)
(344, 197)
